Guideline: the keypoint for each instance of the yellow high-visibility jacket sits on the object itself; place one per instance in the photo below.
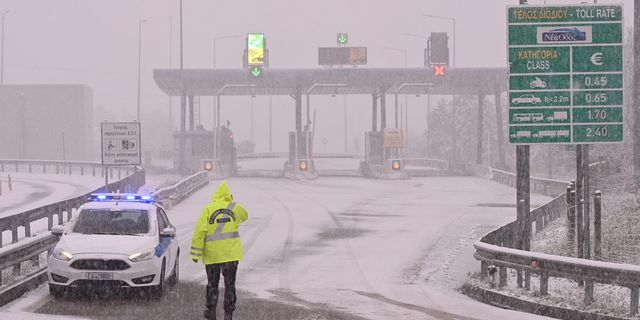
(216, 238)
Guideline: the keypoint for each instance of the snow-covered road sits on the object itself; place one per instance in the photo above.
(370, 248)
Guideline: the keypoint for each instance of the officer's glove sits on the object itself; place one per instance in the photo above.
(195, 260)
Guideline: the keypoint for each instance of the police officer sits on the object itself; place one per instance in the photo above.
(216, 242)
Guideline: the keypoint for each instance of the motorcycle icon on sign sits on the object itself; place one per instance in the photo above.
(537, 83)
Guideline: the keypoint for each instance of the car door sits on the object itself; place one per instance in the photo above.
(171, 243)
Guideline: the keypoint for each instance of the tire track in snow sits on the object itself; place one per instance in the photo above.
(347, 244)
(286, 250)
(372, 293)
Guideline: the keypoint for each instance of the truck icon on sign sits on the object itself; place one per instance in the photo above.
(558, 116)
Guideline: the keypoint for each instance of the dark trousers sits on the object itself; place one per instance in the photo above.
(228, 270)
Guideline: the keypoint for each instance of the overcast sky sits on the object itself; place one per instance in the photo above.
(96, 42)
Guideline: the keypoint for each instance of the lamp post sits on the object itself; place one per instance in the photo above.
(453, 20)
(2, 51)
(139, 62)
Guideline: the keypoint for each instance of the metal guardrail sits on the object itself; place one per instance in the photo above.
(30, 249)
(64, 167)
(426, 162)
(172, 195)
(495, 250)
(544, 186)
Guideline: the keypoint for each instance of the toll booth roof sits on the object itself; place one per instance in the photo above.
(329, 81)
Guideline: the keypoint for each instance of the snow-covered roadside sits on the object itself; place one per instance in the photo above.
(23, 308)
(620, 244)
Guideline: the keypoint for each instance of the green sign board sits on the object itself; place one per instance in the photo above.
(342, 38)
(565, 74)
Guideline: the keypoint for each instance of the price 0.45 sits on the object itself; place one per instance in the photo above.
(597, 81)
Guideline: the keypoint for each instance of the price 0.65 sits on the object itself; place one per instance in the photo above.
(595, 98)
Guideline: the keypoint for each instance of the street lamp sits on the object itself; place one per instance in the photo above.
(218, 38)
(2, 51)
(454, 32)
(139, 62)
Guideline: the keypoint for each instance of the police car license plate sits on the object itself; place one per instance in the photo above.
(99, 276)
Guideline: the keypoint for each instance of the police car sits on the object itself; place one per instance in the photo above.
(115, 241)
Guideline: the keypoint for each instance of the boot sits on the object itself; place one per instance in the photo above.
(228, 315)
(209, 314)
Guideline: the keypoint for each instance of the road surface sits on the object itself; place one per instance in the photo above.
(332, 248)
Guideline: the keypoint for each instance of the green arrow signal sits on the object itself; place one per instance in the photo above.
(342, 38)
(256, 72)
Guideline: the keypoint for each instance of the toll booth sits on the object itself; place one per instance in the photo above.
(382, 155)
(300, 163)
(227, 152)
(201, 144)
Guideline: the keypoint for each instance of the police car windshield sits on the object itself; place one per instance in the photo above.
(122, 222)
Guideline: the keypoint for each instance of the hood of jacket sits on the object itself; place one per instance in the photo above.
(222, 193)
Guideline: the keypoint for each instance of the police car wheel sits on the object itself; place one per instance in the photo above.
(158, 291)
(56, 291)
(176, 271)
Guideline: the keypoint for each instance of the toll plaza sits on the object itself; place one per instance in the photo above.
(382, 146)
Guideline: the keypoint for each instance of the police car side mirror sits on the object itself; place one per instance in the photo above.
(168, 232)
(57, 230)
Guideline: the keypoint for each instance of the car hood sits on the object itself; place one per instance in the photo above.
(76, 243)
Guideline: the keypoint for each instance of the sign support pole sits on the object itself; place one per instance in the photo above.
(523, 234)
(106, 179)
(579, 201)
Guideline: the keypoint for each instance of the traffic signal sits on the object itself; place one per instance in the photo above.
(439, 70)
(207, 165)
(302, 165)
(396, 165)
(438, 48)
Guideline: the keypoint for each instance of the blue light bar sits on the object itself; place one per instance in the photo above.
(120, 197)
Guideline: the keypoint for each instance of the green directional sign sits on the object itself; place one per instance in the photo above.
(256, 71)
(565, 74)
(342, 39)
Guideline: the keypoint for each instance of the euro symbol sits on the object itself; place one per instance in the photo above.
(596, 58)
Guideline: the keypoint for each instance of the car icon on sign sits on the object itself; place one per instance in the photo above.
(526, 99)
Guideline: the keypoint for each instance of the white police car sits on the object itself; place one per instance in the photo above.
(115, 241)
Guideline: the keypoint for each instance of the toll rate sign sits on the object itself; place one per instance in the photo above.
(565, 74)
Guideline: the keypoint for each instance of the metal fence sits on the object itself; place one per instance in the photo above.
(495, 251)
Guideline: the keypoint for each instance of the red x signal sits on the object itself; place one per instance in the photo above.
(438, 70)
